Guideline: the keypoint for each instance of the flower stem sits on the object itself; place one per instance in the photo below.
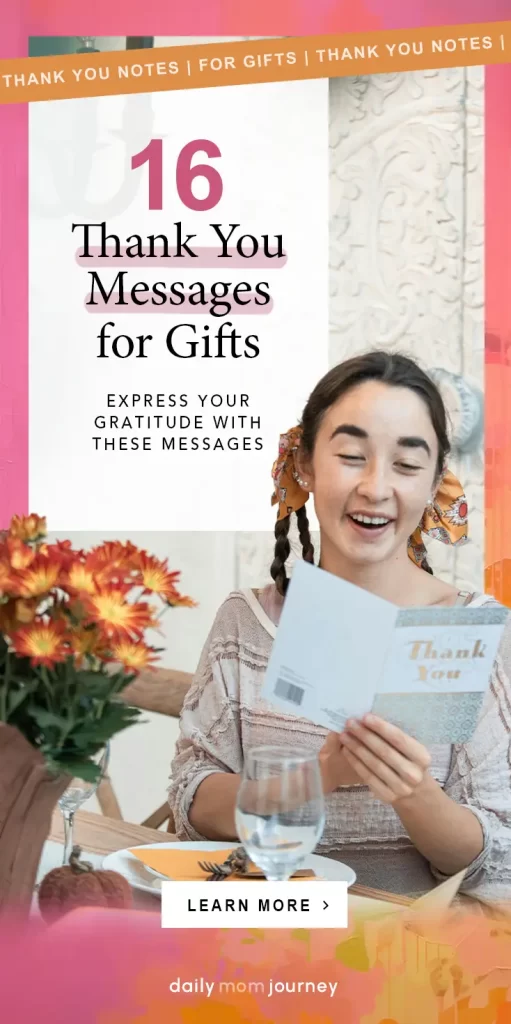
(68, 834)
(47, 686)
(5, 687)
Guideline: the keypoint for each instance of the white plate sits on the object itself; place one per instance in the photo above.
(147, 880)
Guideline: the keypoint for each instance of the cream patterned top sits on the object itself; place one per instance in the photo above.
(224, 714)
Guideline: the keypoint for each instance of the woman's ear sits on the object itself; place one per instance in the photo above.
(305, 476)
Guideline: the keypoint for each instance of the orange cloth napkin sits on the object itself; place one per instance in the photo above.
(183, 866)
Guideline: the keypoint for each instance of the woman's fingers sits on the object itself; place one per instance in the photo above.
(409, 770)
(406, 745)
(375, 784)
(391, 763)
(371, 764)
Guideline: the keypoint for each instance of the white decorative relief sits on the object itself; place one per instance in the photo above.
(407, 258)
(407, 252)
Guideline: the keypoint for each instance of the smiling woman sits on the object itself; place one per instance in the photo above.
(371, 448)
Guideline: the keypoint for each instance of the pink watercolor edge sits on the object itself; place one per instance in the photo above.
(13, 281)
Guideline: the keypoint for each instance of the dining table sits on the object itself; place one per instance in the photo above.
(98, 836)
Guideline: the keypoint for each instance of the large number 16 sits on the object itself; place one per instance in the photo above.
(185, 174)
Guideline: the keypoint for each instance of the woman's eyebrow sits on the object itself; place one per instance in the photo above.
(351, 429)
(414, 442)
(403, 442)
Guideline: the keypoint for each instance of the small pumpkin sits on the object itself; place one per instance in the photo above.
(78, 884)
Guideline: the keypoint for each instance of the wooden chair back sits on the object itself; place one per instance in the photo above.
(163, 691)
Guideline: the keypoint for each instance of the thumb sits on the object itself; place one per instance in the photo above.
(331, 745)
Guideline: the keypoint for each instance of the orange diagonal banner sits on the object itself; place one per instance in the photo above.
(30, 79)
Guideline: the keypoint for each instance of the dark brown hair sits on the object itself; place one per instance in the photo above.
(395, 370)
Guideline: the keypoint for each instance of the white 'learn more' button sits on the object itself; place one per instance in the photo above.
(254, 905)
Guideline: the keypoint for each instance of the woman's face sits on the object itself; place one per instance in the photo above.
(373, 471)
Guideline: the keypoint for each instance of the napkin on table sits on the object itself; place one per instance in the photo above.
(183, 865)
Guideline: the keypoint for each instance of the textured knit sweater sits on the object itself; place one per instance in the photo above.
(224, 715)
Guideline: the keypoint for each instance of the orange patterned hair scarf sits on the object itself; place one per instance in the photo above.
(445, 518)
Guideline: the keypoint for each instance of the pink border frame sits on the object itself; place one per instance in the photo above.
(13, 284)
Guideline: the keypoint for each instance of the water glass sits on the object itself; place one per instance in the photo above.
(77, 794)
(280, 810)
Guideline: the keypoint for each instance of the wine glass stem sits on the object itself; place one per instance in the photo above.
(69, 817)
(277, 874)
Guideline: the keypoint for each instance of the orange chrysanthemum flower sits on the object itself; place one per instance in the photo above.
(63, 552)
(30, 527)
(20, 554)
(15, 613)
(113, 563)
(177, 600)
(42, 642)
(88, 642)
(40, 577)
(114, 553)
(57, 602)
(116, 617)
(25, 611)
(8, 620)
(133, 656)
(6, 578)
(80, 578)
(155, 576)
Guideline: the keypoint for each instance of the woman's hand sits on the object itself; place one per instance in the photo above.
(390, 763)
(334, 767)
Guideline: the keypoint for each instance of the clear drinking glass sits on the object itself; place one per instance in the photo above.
(280, 810)
(77, 794)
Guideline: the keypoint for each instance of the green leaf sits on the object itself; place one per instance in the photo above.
(122, 680)
(87, 678)
(16, 697)
(45, 719)
(86, 770)
(66, 713)
(113, 720)
(100, 689)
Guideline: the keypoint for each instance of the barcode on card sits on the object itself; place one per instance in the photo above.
(289, 692)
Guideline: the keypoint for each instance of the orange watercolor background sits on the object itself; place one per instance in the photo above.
(117, 967)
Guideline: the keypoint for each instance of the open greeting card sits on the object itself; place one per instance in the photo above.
(341, 652)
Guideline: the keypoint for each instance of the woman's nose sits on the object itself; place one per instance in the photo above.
(375, 485)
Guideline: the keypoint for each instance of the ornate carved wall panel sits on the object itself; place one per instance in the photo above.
(406, 258)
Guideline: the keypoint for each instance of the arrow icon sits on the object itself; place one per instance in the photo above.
(325, 905)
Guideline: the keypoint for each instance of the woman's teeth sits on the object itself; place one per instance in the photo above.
(370, 520)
